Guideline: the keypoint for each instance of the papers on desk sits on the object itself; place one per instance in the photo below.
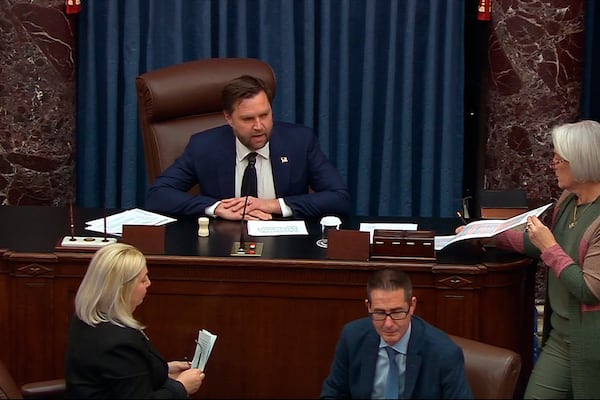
(370, 227)
(276, 228)
(135, 216)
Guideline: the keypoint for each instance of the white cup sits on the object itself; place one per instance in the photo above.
(327, 224)
(203, 226)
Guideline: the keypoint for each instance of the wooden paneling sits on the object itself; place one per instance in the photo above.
(277, 320)
(277, 317)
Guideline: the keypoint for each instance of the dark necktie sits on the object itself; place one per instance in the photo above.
(392, 382)
(249, 180)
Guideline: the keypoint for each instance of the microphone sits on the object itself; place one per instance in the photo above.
(242, 248)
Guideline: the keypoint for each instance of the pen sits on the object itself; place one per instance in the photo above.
(461, 217)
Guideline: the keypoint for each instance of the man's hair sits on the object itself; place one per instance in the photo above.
(390, 279)
(106, 289)
(579, 144)
(243, 87)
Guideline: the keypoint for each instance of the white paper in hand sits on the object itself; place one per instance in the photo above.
(204, 345)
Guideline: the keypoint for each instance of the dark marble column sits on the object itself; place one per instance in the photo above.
(37, 103)
(536, 63)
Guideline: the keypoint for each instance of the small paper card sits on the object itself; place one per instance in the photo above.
(204, 345)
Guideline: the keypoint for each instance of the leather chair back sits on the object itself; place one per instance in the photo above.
(48, 389)
(492, 371)
(8, 386)
(179, 100)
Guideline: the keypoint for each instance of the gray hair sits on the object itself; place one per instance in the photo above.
(106, 289)
(579, 144)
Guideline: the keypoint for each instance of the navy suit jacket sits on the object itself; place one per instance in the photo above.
(434, 364)
(209, 161)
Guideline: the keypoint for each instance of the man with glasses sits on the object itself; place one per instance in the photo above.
(394, 354)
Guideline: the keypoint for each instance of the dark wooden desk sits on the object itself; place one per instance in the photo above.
(278, 317)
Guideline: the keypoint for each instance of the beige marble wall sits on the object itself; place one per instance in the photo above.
(535, 71)
(37, 103)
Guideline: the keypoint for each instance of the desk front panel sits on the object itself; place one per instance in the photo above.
(277, 320)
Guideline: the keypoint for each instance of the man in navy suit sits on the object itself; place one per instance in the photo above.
(428, 364)
(295, 178)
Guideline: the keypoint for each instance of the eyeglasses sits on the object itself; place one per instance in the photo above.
(395, 315)
(556, 162)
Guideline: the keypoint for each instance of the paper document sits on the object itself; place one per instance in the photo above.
(276, 228)
(487, 228)
(135, 216)
(204, 345)
(370, 227)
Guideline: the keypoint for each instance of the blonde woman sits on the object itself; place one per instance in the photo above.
(108, 354)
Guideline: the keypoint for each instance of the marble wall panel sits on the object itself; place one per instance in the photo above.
(37, 103)
(535, 71)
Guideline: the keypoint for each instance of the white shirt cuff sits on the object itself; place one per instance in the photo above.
(285, 210)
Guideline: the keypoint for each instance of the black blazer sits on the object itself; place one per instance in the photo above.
(111, 362)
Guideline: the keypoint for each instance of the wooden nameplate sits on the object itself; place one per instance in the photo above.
(348, 245)
(148, 239)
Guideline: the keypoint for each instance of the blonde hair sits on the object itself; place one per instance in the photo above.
(106, 289)
(579, 144)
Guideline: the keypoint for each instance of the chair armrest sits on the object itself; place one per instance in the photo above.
(50, 389)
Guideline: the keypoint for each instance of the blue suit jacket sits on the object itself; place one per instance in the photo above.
(434, 364)
(209, 160)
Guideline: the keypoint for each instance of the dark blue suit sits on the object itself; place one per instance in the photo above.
(209, 160)
(434, 364)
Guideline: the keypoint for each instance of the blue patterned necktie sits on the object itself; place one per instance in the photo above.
(392, 382)
(249, 180)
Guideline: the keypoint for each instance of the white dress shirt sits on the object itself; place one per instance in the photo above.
(265, 183)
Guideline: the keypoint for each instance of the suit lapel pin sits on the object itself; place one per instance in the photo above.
(284, 159)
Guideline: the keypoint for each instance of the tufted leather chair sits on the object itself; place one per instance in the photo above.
(182, 99)
(50, 389)
(492, 371)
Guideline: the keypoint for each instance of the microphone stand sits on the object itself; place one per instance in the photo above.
(242, 248)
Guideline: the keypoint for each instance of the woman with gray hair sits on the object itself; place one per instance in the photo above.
(569, 364)
(108, 354)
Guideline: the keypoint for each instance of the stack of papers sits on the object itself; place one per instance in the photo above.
(204, 345)
(114, 223)
(276, 228)
(487, 228)
(393, 226)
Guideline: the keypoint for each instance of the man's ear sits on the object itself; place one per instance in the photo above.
(228, 118)
(413, 304)
(367, 304)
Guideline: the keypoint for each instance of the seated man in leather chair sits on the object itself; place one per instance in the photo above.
(294, 178)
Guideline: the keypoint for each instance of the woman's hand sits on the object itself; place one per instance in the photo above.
(191, 379)
(177, 367)
(539, 234)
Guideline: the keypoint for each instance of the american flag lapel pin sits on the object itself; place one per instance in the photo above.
(283, 159)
